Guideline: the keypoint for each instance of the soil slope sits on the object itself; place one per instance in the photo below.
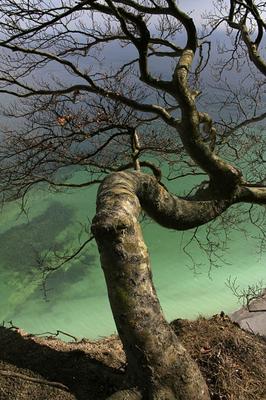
(233, 362)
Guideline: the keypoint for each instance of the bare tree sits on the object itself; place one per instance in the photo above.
(100, 116)
(248, 296)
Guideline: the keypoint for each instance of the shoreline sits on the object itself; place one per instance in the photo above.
(253, 321)
(230, 359)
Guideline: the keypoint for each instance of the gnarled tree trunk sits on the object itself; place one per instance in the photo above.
(158, 364)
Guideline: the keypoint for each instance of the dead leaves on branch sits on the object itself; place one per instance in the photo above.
(64, 119)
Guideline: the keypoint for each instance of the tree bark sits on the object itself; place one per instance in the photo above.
(158, 364)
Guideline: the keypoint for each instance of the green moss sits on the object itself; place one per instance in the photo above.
(124, 297)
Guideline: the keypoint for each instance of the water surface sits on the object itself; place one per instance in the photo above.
(76, 300)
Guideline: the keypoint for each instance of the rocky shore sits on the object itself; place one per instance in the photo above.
(254, 318)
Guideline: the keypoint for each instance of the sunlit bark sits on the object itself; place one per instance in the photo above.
(38, 35)
(158, 364)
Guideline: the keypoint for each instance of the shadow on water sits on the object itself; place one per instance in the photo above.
(61, 280)
(20, 244)
(19, 248)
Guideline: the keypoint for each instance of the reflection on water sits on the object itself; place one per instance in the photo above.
(77, 295)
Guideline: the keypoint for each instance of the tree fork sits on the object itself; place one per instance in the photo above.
(158, 364)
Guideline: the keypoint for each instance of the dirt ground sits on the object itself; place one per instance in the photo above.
(32, 368)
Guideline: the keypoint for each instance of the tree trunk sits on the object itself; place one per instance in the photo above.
(158, 364)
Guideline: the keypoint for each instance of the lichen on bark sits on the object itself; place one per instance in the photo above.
(157, 362)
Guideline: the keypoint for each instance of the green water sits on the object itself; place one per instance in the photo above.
(77, 295)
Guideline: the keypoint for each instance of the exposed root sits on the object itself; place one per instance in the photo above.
(131, 394)
(32, 379)
(164, 393)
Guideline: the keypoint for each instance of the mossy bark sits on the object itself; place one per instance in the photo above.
(158, 364)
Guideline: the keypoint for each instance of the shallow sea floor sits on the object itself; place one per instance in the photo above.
(76, 298)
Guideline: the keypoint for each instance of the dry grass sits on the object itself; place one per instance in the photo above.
(232, 361)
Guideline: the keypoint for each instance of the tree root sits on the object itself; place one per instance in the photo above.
(164, 393)
(131, 394)
(35, 380)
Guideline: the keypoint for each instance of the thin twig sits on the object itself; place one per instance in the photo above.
(31, 379)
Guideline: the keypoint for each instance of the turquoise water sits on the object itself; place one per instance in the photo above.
(77, 299)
